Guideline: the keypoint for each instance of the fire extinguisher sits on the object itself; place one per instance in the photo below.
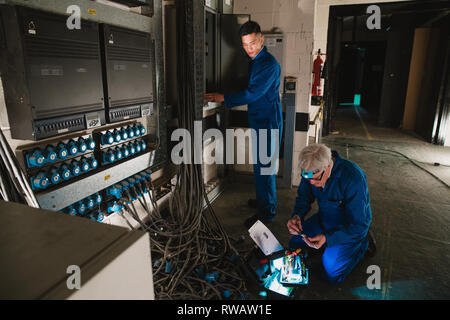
(318, 82)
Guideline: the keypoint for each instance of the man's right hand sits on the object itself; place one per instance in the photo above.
(213, 97)
(295, 225)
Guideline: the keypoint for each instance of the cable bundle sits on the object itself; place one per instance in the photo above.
(14, 185)
(192, 255)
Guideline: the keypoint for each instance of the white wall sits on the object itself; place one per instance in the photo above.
(296, 21)
(447, 136)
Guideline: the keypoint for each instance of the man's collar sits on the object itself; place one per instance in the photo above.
(260, 53)
(335, 172)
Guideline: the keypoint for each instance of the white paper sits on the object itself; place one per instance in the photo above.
(264, 238)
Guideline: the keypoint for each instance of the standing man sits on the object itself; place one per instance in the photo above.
(341, 227)
(264, 112)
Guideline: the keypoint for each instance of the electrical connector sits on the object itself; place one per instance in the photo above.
(55, 177)
(40, 181)
(116, 135)
(73, 148)
(50, 154)
(75, 168)
(108, 156)
(113, 207)
(70, 210)
(90, 202)
(124, 134)
(115, 191)
(84, 165)
(212, 277)
(65, 172)
(82, 145)
(107, 138)
(62, 151)
(35, 159)
(90, 143)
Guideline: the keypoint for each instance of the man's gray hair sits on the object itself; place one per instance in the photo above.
(315, 157)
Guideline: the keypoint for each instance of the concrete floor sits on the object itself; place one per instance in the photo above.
(410, 206)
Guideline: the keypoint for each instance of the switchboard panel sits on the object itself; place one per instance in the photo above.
(128, 57)
(51, 75)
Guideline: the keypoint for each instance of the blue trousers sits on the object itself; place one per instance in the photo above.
(337, 261)
(265, 173)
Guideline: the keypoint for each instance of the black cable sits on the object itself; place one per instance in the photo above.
(187, 242)
(367, 148)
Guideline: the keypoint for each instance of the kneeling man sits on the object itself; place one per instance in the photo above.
(341, 226)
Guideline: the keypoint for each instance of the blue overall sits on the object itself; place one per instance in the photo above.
(344, 217)
(264, 112)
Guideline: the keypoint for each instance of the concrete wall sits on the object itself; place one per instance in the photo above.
(296, 21)
(419, 54)
(447, 137)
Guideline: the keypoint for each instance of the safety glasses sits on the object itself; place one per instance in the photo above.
(309, 174)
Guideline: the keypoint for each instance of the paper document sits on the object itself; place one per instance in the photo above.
(264, 238)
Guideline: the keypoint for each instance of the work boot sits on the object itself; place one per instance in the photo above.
(372, 248)
(252, 203)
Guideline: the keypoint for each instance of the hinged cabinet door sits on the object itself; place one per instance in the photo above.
(233, 59)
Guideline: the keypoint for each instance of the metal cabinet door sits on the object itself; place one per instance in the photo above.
(233, 59)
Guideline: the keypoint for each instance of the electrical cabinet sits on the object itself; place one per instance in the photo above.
(233, 59)
(89, 97)
(225, 6)
(275, 46)
(211, 72)
(226, 63)
(51, 75)
(128, 73)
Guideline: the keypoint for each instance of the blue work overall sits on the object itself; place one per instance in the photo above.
(264, 112)
(344, 217)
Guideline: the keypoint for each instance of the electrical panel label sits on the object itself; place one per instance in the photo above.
(120, 67)
(93, 120)
(63, 130)
(51, 71)
(147, 109)
(270, 42)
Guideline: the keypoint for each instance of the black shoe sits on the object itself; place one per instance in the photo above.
(252, 203)
(372, 248)
(251, 221)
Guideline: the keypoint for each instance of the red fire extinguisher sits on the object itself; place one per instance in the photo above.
(317, 86)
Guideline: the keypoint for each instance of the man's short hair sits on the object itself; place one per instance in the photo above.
(249, 27)
(315, 157)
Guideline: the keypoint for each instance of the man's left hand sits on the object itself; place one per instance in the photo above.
(316, 242)
(214, 97)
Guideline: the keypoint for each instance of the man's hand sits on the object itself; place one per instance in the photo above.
(295, 225)
(315, 242)
(214, 97)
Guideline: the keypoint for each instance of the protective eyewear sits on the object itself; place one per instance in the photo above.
(309, 174)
